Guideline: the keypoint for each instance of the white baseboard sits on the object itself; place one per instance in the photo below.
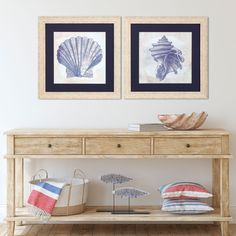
(3, 209)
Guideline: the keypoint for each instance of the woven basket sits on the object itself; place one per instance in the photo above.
(73, 196)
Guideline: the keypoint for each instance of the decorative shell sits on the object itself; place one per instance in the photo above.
(130, 192)
(183, 121)
(79, 55)
(168, 58)
(115, 179)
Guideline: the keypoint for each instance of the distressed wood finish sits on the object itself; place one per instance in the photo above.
(224, 174)
(224, 185)
(121, 145)
(91, 216)
(224, 191)
(11, 195)
(115, 132)
(188, 145)
(216, 183)
(117, 230)
(19, 180)
(182, 156)
(10, 186)
(47, 145)
(19, 169)
(77, 143)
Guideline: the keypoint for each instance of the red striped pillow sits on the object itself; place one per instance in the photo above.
(184, 190)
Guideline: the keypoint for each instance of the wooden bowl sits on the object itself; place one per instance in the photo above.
(183, 121)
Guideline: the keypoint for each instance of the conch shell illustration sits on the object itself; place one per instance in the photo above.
(79, 55)
(169, 59)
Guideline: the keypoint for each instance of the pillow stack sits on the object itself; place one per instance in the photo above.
(184, 198)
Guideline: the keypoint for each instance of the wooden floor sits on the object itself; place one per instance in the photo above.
(118, 230)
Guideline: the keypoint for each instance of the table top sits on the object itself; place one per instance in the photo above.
(115, 132)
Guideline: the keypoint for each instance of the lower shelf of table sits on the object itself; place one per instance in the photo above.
(91, 216)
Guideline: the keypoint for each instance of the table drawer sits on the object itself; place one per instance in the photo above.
(199, 145)
(48, 145)
(118, 146)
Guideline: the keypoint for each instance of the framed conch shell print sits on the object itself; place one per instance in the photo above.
(79, 57)
(166, 57)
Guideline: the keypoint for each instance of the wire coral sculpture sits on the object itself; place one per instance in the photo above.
(113, 179)
(130, 192)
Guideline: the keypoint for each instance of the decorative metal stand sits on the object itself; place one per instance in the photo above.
(113, 179)
(130, 192)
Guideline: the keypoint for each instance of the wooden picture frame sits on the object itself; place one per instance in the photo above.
(166, 57)
(79, 58)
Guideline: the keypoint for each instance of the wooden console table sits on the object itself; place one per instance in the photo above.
(74, 143)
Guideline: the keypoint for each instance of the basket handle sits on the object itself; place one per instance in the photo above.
(81, 174)
(39, 176)
(78, 173)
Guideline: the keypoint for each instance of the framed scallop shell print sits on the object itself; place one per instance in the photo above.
(79, 57)
(166, 57)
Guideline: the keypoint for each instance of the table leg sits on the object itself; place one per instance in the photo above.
(19, 172)
(19, 182)
(10, 228)
(216, 183)
(10, 195)
(224, 194)
(225, 228)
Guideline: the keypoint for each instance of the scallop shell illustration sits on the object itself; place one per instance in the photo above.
(79, 55)
(183, 121)
(169, 59)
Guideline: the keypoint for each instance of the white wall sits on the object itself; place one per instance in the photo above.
(20, 107)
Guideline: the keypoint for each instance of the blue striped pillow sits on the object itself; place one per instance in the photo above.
(185, 206)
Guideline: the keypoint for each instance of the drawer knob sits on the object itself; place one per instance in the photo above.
(49, 145)
(119, 145)
(188, 145)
